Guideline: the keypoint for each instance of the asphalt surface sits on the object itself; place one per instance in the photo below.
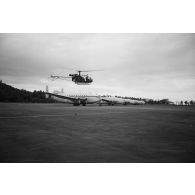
(60, 133)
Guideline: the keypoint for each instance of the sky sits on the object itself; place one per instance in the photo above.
(153, 66)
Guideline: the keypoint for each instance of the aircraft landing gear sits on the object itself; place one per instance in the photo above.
(76, 104)
(84, 102)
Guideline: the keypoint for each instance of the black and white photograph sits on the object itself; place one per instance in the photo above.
(97, 97)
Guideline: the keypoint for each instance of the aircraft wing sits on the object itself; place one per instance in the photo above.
(110, 101)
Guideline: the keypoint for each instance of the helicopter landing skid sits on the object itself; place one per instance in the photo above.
(83, 83)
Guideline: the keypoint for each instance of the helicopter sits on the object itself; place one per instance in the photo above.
(77, 78)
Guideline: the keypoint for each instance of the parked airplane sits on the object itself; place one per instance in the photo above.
(77, 100)
(112, 100)
(134, 102)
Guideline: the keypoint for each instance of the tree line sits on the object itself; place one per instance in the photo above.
(11, 94)
(166, 101)
(162, 101)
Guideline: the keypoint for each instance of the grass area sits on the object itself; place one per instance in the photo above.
(60, 133)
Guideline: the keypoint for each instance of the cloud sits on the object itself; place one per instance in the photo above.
(144, 65)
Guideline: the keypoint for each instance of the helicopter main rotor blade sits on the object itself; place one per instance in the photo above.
(88, 70)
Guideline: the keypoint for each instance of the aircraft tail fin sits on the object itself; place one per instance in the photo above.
(47, 89)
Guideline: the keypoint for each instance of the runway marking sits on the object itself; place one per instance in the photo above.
(56, 115)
